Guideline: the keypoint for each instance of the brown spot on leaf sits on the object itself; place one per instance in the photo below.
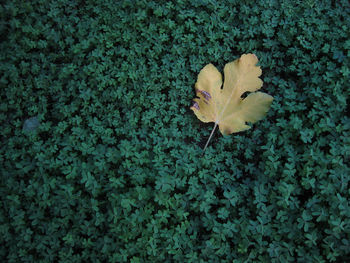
(195, 105)
(205, 94)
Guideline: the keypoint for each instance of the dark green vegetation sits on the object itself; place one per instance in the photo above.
(115, 172)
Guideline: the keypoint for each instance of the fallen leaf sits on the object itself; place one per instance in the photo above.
(225, 106)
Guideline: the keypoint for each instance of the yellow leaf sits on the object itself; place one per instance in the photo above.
(224, 106)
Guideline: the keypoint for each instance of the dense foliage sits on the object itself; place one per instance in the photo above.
(101, 157)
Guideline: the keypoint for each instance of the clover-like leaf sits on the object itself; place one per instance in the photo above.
(224, 105)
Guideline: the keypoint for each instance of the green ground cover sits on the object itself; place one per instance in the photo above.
(101, 157)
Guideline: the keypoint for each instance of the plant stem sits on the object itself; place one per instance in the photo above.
(211, 135)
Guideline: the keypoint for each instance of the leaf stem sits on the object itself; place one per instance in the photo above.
(211, 135)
